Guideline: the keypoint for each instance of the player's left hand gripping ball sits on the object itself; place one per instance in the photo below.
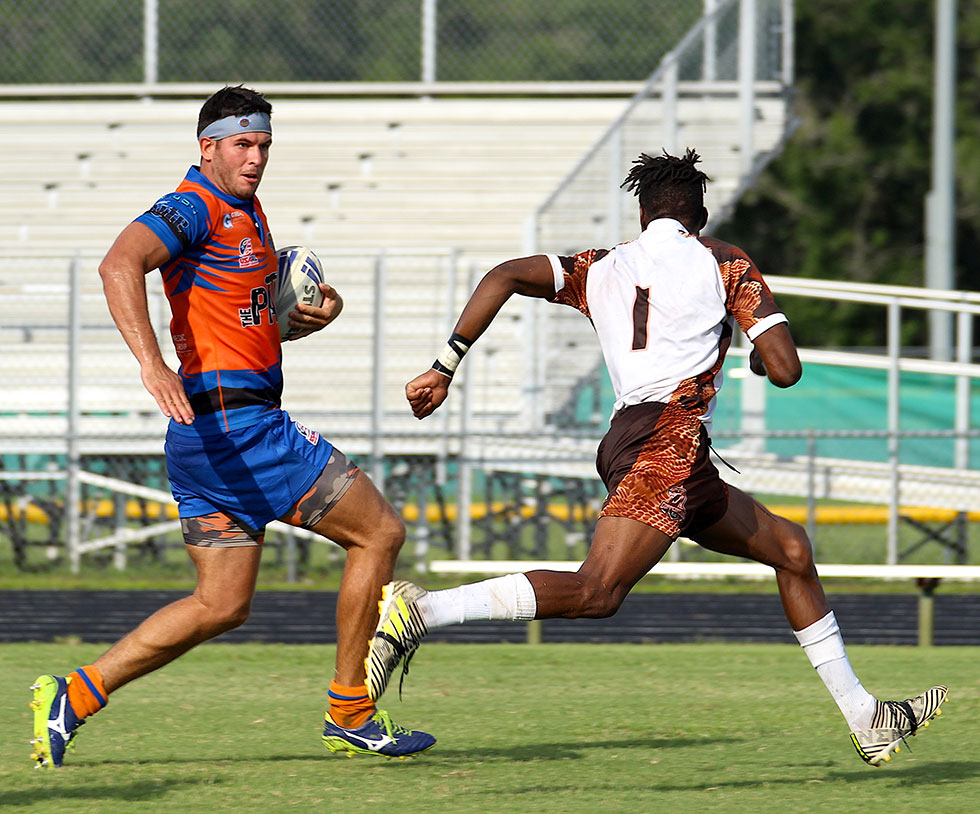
(304, 302)
(308, 319)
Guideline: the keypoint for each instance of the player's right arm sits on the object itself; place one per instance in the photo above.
(529, 276)
(135, 253)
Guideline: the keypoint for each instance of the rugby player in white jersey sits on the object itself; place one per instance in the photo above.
(664, 307)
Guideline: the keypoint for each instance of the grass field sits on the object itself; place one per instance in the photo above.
(548, 728)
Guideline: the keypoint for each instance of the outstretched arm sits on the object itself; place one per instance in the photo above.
(136, 252)
(774, 356)
(528, 276)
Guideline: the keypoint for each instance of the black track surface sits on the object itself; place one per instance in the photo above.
(307, 617)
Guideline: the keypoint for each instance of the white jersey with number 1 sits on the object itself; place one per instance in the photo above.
(662, 306)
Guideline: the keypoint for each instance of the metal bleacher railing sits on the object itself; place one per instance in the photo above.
(81, 443)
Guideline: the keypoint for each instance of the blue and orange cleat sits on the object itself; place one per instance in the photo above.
(55, 722)
(379, 736)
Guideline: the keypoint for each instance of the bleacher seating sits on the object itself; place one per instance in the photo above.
(351, 175)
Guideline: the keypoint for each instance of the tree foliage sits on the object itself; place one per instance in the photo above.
(65, 41)
(846, 198)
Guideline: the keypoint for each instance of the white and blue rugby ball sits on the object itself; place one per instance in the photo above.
(299, 273)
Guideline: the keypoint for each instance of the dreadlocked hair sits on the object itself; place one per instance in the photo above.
(668, 186)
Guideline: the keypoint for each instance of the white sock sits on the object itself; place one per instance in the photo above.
(824, 646)
(509, 598)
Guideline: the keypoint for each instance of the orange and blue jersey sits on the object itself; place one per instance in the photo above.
(243, 455)
(220, 281)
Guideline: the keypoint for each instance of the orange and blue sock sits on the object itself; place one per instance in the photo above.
(350, 707)
(86, 691)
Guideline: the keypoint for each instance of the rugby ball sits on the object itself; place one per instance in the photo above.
(298, 274)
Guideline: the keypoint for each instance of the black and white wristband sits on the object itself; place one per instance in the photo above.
(447, 361)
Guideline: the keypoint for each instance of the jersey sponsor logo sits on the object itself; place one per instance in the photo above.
(171, 216)
(675, 506)
(229, 219)
(310, 435)
(261, 301)
(246, 255)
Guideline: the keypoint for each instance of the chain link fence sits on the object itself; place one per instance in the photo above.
(127, 41)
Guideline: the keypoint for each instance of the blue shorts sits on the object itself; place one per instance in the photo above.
(255, 473)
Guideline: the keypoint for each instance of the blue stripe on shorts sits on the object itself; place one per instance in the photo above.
(254, 473)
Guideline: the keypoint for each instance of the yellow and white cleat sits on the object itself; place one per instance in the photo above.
(397, 637)
(893, 722)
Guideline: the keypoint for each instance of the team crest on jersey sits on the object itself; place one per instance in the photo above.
(310, 435)
(675, 506)
(246, 256)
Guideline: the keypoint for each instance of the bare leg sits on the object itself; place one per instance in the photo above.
(366, 525)
(220, 602)
(750, 530)
(622, 551)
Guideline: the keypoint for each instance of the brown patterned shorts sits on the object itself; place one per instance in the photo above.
(654, 462)
(221, 530)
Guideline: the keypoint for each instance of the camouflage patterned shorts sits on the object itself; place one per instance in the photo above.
(221, 530)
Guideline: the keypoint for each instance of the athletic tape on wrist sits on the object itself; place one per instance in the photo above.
(447, 361)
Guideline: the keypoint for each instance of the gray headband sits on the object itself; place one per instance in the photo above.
(233, 125)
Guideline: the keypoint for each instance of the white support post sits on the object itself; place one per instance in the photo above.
(464, 480)
(614, 195)
(533, 324)
(534, 365)
(746, 83)
(151, 40)
(940, 206)
(894, 421)
(73, 489)
(442, 456)
(669, 101)
(378, 405)
(964, 355)
(709, 61)
(789, 43)
(811, 489)
(530, 239)
(429, 33)
(291, 572)
(119, 553)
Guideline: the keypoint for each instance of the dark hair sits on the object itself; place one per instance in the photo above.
(669, 187)
(231, 100)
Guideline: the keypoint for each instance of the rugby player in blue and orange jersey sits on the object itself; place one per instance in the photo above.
(235, 459)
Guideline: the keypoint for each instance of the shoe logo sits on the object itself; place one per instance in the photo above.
(373, 745)
(58, 724)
